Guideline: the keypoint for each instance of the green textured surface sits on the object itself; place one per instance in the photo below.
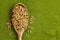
(45, 27)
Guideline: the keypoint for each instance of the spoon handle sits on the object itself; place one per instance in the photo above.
(20, 35)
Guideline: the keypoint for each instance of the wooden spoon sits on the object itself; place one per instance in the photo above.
(19, 19)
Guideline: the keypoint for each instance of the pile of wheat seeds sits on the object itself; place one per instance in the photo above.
(19, 17)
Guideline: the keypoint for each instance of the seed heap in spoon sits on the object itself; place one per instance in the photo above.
(19, 19)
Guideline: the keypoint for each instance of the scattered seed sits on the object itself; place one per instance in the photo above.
(27, 35)
(30, 22)
(30, 31)
(32, 18)
(9, 24)
(10, 34)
